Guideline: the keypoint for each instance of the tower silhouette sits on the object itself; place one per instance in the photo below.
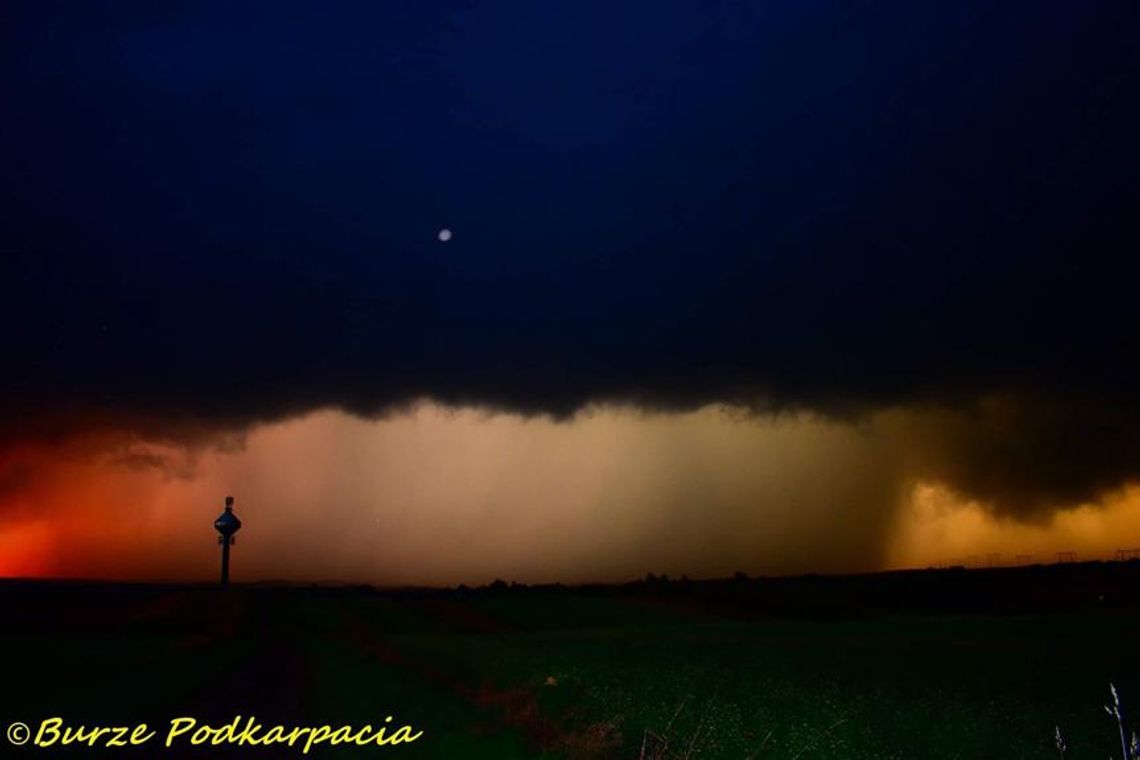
(227, 524)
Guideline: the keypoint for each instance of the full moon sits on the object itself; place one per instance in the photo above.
(444, 235)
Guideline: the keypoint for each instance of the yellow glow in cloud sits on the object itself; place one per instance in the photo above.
(937, 528)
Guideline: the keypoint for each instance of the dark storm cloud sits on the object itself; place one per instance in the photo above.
(1026, 455)
(215, 214)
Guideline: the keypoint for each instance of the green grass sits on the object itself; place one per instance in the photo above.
(530, 676)
(902, 688)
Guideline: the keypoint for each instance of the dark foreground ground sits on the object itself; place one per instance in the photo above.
(936, 664)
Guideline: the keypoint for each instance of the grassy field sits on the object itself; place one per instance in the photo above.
(565, 673)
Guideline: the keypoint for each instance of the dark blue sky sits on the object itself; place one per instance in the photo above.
(228, 212)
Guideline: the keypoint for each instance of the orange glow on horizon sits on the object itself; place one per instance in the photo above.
(26, 550)
(444, 496)
(936, 528)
